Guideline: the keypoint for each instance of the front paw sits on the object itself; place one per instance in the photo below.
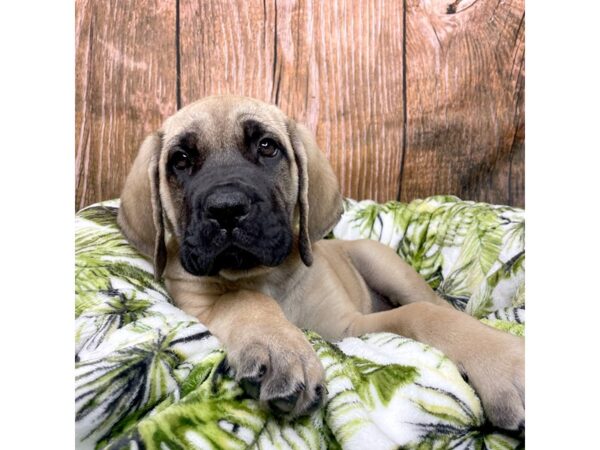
(498, 376)
(282, 371)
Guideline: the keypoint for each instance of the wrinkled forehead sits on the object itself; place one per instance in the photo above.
(220, 122)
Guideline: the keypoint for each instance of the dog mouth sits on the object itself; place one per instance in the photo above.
(208, 249)
(234, 258)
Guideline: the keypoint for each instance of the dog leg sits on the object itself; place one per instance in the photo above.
(387, 274)
(493, 361)
(272, 359)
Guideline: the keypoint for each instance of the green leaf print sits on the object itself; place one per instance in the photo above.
(376, 382)
(150, 376)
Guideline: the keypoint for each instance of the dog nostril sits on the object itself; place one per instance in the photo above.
(227, 208)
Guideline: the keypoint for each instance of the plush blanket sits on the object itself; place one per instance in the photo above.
(149, 376)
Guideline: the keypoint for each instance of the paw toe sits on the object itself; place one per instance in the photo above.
(317, 401)
(284, 405)
(251, 386)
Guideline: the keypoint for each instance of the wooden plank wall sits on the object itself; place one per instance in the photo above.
(125, 85)
(407, 98)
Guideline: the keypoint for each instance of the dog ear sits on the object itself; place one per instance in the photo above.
(141, 213)
(319, 199)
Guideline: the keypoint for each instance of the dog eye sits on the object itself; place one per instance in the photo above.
(268, 148)
(180, 160)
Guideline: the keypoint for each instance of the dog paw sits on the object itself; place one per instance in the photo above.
(282, 371)
(498, 377)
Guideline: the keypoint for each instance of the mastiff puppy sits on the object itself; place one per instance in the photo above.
(231, 199)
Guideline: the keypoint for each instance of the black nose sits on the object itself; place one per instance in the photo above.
(227, 207)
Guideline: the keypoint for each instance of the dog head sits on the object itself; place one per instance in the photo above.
(235, 182)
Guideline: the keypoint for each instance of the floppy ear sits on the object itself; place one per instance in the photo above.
(319, 199)
(141, 213)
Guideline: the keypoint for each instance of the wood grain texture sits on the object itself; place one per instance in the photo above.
(407, 98)
(464, 100)
(125, 86)
(334, 65)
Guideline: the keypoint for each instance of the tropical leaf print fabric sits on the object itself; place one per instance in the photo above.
(148, 376)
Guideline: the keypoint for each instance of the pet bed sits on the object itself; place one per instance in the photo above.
(149, 376)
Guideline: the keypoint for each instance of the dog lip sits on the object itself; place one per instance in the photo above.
(234, 257)
(232, 247)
